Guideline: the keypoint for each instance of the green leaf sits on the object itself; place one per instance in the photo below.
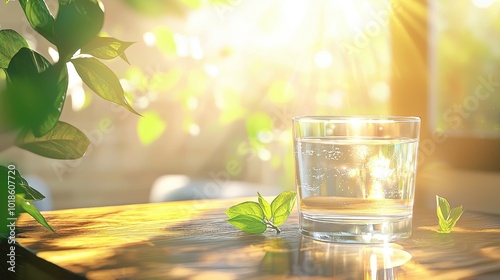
(101, 80)
(64, 141)
(282, 206)
(31, 209)
(245, 215)
(12, 175)
(455, 215)
(150, 127)
(77, 23)
(36, 91)
(124, 57)
(248, 208)
(10, 43)
(264, 205)
(59, 80)
(443, 206)
(443, 224)
(22, 195)
(39, 17)
(106, 48)
(248, 223)
(30, 193)
(447, 219)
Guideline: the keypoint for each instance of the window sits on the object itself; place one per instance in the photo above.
(443, 52)
(465, 67)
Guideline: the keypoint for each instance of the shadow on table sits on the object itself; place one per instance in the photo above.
(216, 254)
(206, 247)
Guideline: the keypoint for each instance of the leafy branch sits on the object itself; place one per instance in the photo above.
(255, 218)
(35, 89)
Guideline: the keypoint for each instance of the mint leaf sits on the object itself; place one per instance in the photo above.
(443, 206)
(455, 215)
(248, 223)
(447, 218)
(248, 208)
(253, 217)
(266, 208)
(443, 223)
(282, 206)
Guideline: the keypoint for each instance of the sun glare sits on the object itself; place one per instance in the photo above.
(75, 88)
(483, 3)
(149, 38)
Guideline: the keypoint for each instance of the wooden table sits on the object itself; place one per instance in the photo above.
(191, 240)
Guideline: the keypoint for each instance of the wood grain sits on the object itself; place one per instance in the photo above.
(191, 240)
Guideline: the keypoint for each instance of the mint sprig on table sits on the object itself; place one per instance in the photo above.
(255, 218)
(448, 217)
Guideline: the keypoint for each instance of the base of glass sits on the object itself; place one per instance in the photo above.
(349, 230)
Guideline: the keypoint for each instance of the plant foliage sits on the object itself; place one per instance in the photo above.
(23, 195)
(253, 217)
(35, 91)
(447, 217)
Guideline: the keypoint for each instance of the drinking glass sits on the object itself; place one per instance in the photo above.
(355, 176)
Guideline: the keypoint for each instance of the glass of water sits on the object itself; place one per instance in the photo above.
(356, 176)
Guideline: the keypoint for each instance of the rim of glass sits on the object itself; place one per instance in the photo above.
(365, 118)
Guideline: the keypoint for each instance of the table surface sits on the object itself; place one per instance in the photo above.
(191, 240)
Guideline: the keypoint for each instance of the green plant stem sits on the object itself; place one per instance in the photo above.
(270, 225)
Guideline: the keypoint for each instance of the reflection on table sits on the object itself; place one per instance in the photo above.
(191, 240)
(350, 260)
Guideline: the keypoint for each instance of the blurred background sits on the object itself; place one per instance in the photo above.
(217, 83)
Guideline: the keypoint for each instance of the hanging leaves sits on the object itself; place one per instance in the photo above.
(39, 17)
(10, 43)
(64, 141)
(106, 48)
(101, 80)
(35, 91)
(77, 23)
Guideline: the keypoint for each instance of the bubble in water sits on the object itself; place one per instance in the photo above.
(360, 152)
(335, 154)
(309, 188)
(319, 176)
